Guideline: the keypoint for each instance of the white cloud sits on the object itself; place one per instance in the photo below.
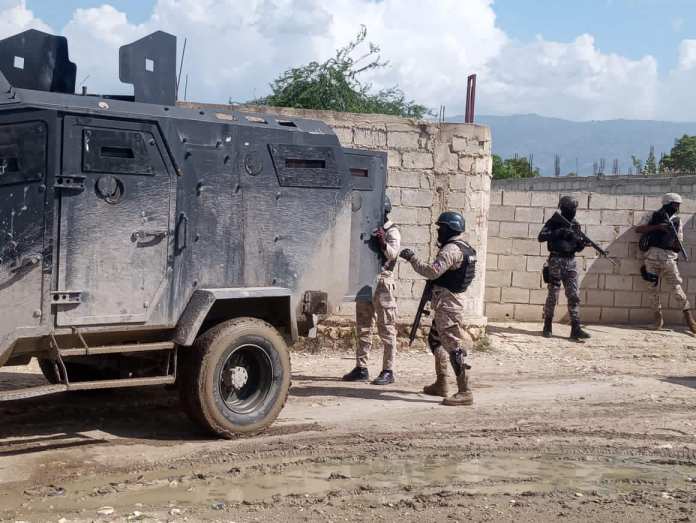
(15, 17)
(687, 55)
(235, 49)
(573, 80)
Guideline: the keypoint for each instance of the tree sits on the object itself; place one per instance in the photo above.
(334, 85)
(650, 168)
(637, 164)
(512, 168)
(682, 158)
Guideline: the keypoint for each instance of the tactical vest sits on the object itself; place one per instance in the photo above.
(458, 280)
(660, 239)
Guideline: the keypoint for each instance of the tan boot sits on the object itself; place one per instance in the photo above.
(659, 321)
(439, 388)
(689, 319)
(463, 396)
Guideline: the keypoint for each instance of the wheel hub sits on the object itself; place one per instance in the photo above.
(238, 377)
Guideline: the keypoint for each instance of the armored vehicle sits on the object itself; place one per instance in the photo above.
(142, 243)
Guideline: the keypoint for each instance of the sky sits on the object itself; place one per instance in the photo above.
(581, 60)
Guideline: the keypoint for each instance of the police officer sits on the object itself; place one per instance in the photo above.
(451, 273)
(662, 253)
(563, 242)
(382, 307)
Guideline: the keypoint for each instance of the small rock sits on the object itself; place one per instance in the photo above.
(105, 511)
(175, 512)
(218, 505)
(337, 475)
(579, 495)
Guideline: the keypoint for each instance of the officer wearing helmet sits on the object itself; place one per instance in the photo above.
(451, 273)
(563, 242)
(381, 307)
(661, 252)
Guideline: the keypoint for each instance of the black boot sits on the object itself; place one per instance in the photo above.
(357, 374)
(576, 332)
(385, 378)
(548, 328)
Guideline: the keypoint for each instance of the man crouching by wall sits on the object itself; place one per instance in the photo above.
(662, 233)
(451, 274)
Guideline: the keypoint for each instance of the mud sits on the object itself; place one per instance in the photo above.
(559, 431)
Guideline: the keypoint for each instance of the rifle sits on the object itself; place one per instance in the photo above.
(425, 298)
(676, 237)
(586, 239)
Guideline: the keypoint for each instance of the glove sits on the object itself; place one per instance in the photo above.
(380, 234)
(407, 254)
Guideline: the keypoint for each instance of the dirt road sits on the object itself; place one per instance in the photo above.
(559, 431)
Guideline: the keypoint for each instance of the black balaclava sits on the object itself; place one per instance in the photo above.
(444, 233)
(671, 208)
(568, 206)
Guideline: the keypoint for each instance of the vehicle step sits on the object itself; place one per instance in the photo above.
(44, 390)
(127, 382)
(31, 392)
(117, 349)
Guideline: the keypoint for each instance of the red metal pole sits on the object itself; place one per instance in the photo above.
(470, 98)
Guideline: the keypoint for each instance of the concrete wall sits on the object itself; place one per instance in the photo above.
(609, 208)
(432, 168)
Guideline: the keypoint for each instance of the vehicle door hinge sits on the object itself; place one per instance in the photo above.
(66, 297)
(72, 183)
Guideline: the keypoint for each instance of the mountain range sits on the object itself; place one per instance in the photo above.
(581, 146)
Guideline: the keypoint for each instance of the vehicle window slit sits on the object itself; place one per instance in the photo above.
(304, 163)
(117, 152)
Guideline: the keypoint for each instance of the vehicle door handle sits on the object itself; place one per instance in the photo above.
(181, 232)
(149, 236)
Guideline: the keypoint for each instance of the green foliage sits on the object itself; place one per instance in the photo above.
(637, 164)
(650, 168)
(682, 157)
(512, 168)
(334, 85)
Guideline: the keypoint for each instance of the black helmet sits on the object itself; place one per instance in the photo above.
(453, 220)
(387, 204)
(568, 202)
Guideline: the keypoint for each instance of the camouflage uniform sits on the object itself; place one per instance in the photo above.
(562, 266)
(663, 263)
(382, 307)
(563, 270)
(448, 323)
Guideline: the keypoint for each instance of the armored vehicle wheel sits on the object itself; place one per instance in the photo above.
(236, 377)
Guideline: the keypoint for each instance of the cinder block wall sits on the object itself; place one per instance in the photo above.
(609, 208)
(432, 168)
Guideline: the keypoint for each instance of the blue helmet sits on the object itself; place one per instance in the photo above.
(453, 220)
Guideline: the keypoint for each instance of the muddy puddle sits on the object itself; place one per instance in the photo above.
(509, 473)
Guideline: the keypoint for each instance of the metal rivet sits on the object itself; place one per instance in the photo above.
(37, 313)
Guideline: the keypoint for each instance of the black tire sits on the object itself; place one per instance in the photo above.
(236, 377)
